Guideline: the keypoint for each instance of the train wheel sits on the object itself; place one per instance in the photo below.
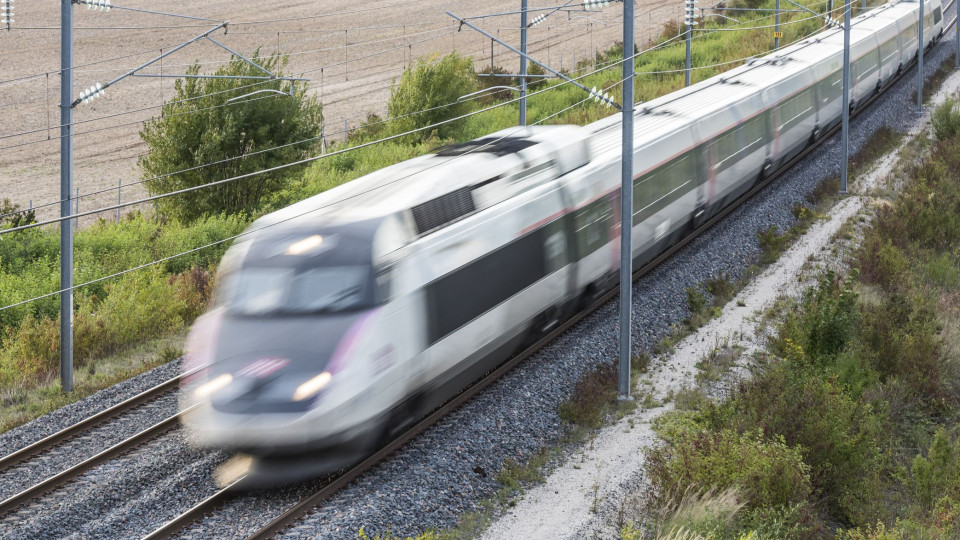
(766, 170)
(815, 134)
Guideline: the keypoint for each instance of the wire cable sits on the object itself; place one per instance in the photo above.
(602, 67)
(657, 46)
(258, 229)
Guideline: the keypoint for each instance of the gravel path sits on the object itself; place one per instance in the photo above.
(452, 467)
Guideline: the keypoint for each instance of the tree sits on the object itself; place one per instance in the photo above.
(199, 127)
(432, 86)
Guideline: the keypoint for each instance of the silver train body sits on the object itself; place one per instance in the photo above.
(350, 313)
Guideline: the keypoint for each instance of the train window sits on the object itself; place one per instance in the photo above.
(254, 291)
(937, 15)
(888, 51)
(726, 147)
(383, 280)
(864, 66)
(794, 110)
(259, 291)
(592, 224)
(753, 134)
(909, 35)
(656, 190)
(830, 87)
(334, 288)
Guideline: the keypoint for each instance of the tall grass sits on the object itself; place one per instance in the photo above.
(862, 381)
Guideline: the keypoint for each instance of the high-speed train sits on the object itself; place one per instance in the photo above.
(345, 316)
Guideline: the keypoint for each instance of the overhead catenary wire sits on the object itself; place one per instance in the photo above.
(602, 66)
(259, 229)
(254, 231)
(314, 158)
(291, 164)
(115, 126)
(611, 63)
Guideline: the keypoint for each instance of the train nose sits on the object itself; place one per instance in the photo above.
(268, 360)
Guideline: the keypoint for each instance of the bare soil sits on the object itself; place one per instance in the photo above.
(351, 51)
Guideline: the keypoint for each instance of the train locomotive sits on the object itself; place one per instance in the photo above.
(344, 317)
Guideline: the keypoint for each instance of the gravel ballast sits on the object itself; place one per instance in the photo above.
(433, 480)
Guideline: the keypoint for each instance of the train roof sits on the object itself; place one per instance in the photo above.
(409, 184)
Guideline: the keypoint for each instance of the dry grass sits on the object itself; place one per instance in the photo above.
(19, 405)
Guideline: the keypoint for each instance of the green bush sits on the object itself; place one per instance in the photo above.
(766, 472)
(199, 126)
(830, 316)
(841, 439)
(901, 338)
(138, 306)
(946, 120)
(433, 86)
(31, 353)
(938, 474)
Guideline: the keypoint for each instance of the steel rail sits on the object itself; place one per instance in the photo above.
(87, 424)
(305, 506)
(195, 513)
(14, 502)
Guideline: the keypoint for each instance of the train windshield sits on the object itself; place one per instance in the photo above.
(259, 291)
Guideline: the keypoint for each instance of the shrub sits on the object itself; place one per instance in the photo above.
(199, 126)
(937, 475)
(141, 305)
(766, 472)
(841, 439)
(432, 86)
(946, 120)
(31, 352)
(830, 314)
(901, 340)
(883, 263)
(879, 532)
(594, 393)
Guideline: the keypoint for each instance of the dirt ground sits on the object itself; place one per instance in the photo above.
(350, 51)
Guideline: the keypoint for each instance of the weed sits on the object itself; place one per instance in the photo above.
(649, 402)
(946, 120)
(689, 399)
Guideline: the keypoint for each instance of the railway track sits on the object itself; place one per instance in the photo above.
(296, 512)
(39, 448)
(301, 509)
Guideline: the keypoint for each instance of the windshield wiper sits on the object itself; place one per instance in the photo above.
(341, 296)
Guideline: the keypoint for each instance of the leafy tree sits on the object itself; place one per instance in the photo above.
(435, 85)
(200, 126)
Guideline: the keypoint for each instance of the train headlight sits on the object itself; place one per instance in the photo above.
(306, 245)
(213, 385)
(312, 386)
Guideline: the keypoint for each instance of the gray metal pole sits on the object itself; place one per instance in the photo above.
(776, 27)
(626, 204)
(66, 189)
(864, 6)
(920, 61)
(523, 62)
(956, 36)
(689, 36)
(119, 187)
(845, 135)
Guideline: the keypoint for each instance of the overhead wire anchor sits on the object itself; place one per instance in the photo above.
(102, 5)
(6, 13)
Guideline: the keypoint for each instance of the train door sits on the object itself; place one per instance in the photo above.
(401, 353)
(455, 297)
